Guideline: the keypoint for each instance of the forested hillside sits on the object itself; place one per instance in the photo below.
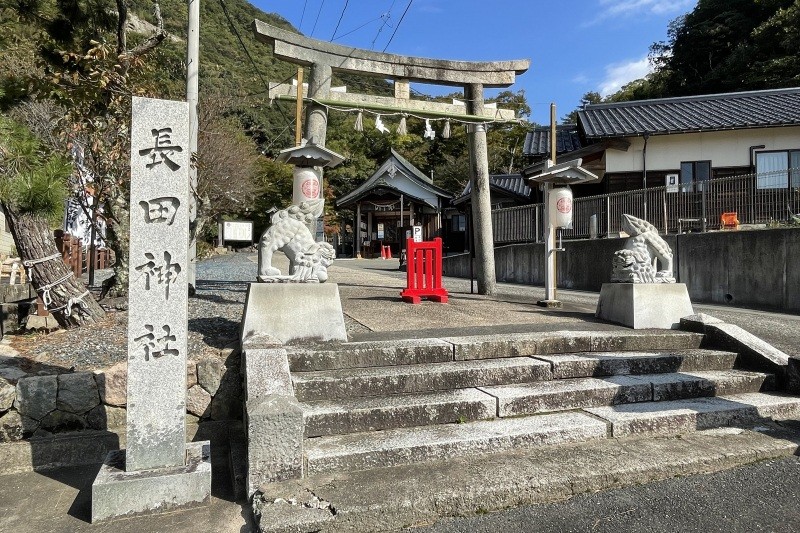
(721, 46)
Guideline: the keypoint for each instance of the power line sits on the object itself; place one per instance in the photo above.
(398, 24)
(340, 19)
(303, 15)
(321, 5)
(250, 57)
(386, 16)
(355, 30)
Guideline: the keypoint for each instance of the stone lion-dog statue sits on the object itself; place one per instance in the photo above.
(289, 233)
(645, 251)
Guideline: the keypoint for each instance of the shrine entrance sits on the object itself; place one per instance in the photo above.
(395, 198)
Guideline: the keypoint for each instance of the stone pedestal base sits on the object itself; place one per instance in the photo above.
(117, 493)
(294, 311)
(644, 305)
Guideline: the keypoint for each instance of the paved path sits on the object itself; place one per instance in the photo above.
(368, 281)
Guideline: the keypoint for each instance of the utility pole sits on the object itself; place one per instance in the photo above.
(192, 68)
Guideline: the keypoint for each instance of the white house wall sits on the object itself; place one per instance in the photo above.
(6, 241)
(722, 148)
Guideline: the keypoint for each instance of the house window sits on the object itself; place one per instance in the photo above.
(459, 223)
(778, 170)
(694, 174)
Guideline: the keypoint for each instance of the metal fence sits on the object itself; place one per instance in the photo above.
(693, 207)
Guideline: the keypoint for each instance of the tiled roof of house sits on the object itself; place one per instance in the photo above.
(714, 112)
(511, 184)
(537, 141)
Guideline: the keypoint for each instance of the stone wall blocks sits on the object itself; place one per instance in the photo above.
(59, 421)
(275, 435)
(11, 427)
(106, 417)
(77, 393)
(209, 374)
(112, 384)
(8, 392)
(198, 401)
(36, 396)
(191, 373)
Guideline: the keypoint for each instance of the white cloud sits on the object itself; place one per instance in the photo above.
(580, 79)
(612, 9)
(618, 74)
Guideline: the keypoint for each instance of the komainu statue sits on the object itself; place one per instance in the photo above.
(289, 233)
(646, 257)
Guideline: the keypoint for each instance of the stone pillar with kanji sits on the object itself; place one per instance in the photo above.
(158, 470)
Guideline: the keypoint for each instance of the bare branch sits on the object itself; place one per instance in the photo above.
(154, 40)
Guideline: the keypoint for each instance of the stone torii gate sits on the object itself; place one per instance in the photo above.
(324, 58)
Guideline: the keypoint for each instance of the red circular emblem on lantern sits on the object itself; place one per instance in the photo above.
(310, 188)
(564, 205)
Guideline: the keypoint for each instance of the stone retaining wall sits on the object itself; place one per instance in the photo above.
(35, 404)
(747, 268)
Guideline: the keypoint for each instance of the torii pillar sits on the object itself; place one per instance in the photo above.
(324, 58)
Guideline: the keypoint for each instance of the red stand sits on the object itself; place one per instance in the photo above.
(424, 272)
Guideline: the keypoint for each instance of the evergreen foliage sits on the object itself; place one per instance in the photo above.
(32, 180)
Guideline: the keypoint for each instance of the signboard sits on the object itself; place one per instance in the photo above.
(672, 182)
(237, 230)
(380, 231)
(417, 233)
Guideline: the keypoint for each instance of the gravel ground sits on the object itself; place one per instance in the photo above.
(215, 313)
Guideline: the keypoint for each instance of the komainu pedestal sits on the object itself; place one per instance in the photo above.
(644, 305)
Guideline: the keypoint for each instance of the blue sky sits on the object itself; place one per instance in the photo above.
(574, 46)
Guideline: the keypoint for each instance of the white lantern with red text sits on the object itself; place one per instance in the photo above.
(561, 207)
(306, 184)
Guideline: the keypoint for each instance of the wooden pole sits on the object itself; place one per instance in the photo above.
(298, 133)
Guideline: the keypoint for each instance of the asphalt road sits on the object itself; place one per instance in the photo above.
(761, 497)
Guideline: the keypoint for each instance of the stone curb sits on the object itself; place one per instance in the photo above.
(376, 500)
(754, 353)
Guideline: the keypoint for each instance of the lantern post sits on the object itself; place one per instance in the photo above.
(558, 213)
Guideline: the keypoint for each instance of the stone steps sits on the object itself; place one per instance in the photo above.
(433, 350)
(361, 451)
(424, 377)
(682, 416)
(353, 415)
(393, 447)
(563, 394)
(383, 381)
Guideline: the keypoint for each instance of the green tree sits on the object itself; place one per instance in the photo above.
(591, 97)
(728, 45)
(32, 193)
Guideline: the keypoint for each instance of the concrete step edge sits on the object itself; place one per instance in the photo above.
(382, 381)
(688, 415)
(401, 446)
(363, 354)
(579, 393)
(373, 413)
(423, 493)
